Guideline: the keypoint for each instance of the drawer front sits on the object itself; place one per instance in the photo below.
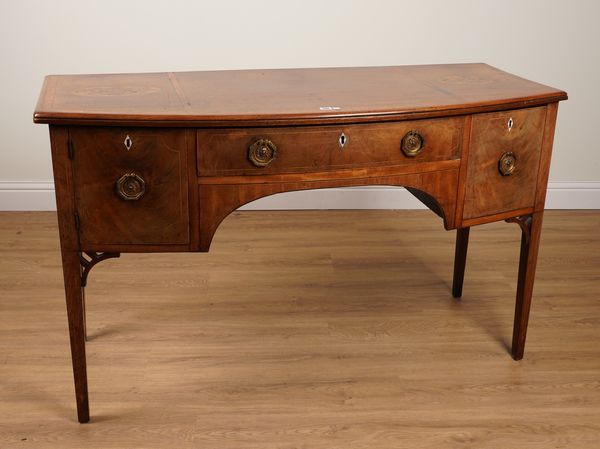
(131, 185)
(259, 151)
(504, 157)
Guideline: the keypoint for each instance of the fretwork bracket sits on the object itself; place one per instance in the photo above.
(88, 259)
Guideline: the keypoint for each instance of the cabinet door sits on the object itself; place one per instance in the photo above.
(131, 185)
(504, 158)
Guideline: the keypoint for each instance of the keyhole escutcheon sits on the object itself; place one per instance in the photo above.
(343, 140)
(128, 143)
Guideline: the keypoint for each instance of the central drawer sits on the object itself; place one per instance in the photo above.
(259, 151)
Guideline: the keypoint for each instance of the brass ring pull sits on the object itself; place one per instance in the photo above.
(412, 144)
(262, 152)
(507, 163)
(131, 187)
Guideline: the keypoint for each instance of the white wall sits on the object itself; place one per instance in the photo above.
(551, 41)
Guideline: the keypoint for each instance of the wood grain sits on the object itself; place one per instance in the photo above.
(546, 154)
(159, 157)
(69, 248)
(224, 152)
(285, 96)
(160, 210)
(219, 200)
(326, 330)
(487, 191)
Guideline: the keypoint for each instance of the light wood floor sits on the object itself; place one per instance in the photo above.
(307, 330)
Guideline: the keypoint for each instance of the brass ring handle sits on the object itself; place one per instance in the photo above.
(412, 144)
(262, 152)
(131, 187)
(507, 163)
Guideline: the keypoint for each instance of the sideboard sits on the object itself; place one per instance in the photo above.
(155, 161)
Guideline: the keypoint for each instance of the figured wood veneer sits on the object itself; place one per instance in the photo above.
(158, 157)
(285, 96)
(488, 193)
(183, 141)
(316, 148)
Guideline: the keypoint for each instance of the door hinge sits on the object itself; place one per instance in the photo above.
(77, 221)
(70, 149)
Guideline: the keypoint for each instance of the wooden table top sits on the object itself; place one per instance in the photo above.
(285, 96)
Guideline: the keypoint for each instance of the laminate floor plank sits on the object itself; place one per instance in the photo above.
(307, 329)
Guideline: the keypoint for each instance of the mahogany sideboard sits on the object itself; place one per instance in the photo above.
(155, 161)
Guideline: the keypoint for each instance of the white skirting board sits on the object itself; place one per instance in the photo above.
(37, 196)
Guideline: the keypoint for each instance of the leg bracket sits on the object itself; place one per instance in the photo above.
(89, 259)
(524, 222)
